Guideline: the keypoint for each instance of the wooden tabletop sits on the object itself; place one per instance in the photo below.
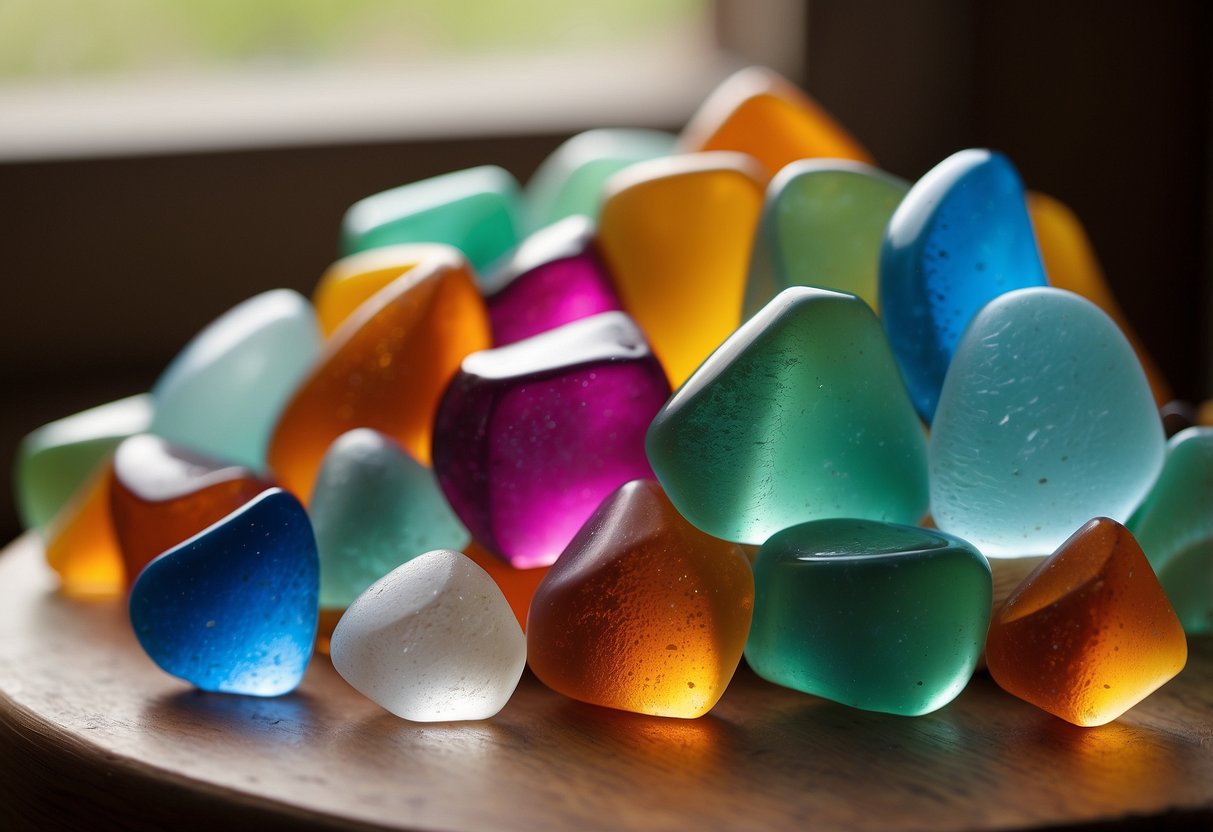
(92, 735)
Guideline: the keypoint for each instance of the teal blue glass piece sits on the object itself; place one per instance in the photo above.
(800, 415)
(1046, 420)
(822, 225)
(222, 394)
(475, 210)
(1174, 526)
(959, 239)
(877, 616)
(373, 508)
(570, 181)
(55, 460)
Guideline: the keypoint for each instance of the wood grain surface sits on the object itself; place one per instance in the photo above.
(93, 736)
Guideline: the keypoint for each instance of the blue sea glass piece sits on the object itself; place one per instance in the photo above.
(1045, 421)
(959, 239)
(234, 608)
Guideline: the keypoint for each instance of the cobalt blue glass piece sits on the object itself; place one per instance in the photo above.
(959, 239)
(234, 608)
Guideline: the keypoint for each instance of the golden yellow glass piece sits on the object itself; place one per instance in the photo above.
(677, 233)
(386, 369)
(81, 544)
(352, 280)
(1071, 264)
(761, 113)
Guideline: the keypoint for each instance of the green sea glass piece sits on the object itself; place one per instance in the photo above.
(873, 615)
(570, 181)
(55, 460)
(822, 225)
(373, 508)
(475, 210)
(1174, 526)
(800, 415)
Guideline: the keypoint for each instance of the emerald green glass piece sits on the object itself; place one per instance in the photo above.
(822, 225)
(373, 508)
(570, 180)
(800, 415)
(56, 459)
(1174, 526)
(873, 615)
(474, 210)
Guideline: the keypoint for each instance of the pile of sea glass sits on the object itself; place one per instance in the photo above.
(679, 400)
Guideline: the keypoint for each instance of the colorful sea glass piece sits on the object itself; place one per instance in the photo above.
(474, 210)
(959, 239)
(162, 494)
(373, 508)
(433, 641)
(517, 585)
(81, 545)
(1174, 526)
(760, 113)
(54, 461)
(530, 437)
(822, 225)
(352, 280)
(1045, 421)
(222, 393)
(555, 277)
(677, 233)
(1090, 632)
(800, 415)
(570, 181)
(233, 609)
(385, 370)
(643, 612)
(1071, 264)
(877, 616)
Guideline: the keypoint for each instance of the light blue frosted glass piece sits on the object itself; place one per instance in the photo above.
(570, 180)
(222, 394)
(959, 239)
(373, 508)
(1045, 421)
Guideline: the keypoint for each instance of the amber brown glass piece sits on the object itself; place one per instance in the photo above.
(81, 545)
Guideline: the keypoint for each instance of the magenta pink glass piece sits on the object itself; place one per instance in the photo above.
(557, 276)
(531, 437)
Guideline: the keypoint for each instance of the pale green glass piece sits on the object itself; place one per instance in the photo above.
(373, 508)
(475, 210)
(56, 459)
(570, 181)
(223, 392)
(1045, 421)
(1174, 526)
(822, 225)
(800, 415)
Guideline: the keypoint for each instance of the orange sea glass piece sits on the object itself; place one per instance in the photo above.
(642, 612)
(350, 281)
(1090, 632)
(677, 234)
(517, 585)
(81, 545)
(1071, 264)
(385, 368)
(162, 494)
(761, 113)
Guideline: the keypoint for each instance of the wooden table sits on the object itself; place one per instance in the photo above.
(92, 735)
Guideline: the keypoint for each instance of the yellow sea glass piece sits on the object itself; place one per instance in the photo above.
(677, 234)
(81, 545)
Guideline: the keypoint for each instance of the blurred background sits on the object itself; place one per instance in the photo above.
(162, 161)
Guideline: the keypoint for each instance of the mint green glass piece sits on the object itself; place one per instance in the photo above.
(475, 210)
(800, 415)
(222, 394)
(570, 181)
(55, 460)
(373, 508)
(822, 225)
(1174, 526)
(1045, 421)
(873, 615)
